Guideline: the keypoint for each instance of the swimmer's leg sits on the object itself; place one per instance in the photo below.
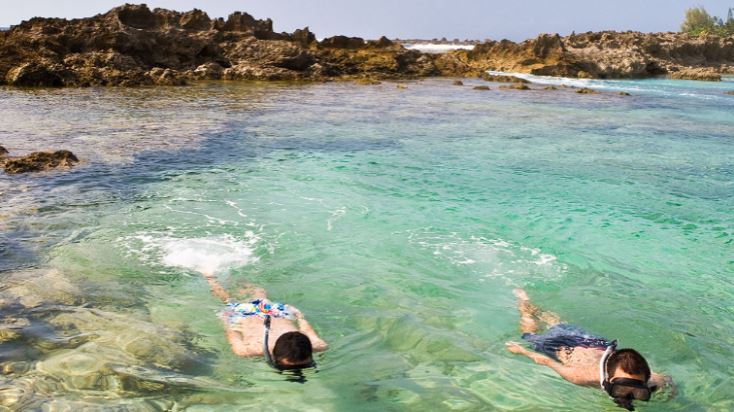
(249, 290)
(527, 310)
(529, 313)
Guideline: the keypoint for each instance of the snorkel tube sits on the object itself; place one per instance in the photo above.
(603, 364)
(266, 350)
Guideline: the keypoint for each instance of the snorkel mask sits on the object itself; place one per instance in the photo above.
(623, 390)
(296, 369)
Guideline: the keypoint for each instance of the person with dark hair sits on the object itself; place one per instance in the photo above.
(259, 327)
(584, 359)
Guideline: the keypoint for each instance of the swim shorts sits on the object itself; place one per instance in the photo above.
(562, 336)
(256, 307)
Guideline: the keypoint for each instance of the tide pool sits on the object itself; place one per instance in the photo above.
(397, 220)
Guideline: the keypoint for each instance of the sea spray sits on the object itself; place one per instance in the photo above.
(203, 254)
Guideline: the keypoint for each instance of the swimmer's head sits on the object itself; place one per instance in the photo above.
(628, 363)
(627, 376)
(293, 350)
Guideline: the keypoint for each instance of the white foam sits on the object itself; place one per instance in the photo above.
(437, 48)
(205, 254)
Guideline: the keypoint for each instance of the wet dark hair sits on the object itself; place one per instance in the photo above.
(292, 346)
(630, 361)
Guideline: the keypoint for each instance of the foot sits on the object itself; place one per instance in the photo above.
(514, 347)
(520, 294)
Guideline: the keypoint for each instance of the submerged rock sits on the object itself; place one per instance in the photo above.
(550, 88)
(516, 86)
(502, 79)
(3, 151)
(482, 88)
(624, 94)
(730, 92)
(586, 90)
(64, 347)
(457, 83)
(40, 161)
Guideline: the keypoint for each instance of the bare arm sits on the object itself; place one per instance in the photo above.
(304, 327)
(217, 289)
(664, 383)
(571, 374)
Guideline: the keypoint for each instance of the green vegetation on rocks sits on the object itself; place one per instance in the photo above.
(699, 21)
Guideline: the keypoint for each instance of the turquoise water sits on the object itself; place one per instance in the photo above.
(398, 221)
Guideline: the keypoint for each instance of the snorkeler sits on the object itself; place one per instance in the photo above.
(584, 359)
(259, 327)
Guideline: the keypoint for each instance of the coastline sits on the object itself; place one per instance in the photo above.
(132, 45)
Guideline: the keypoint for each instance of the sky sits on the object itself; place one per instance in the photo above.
(424, 19)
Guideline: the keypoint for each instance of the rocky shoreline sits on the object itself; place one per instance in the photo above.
(132, 45)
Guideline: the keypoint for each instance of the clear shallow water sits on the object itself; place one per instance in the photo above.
(398, 221)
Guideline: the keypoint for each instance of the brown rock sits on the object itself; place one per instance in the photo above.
(3, 151)
(730, 92)
(482, 88)
(208, 71)
(703, 74)
(40, 161)
(195, 20)
(342, 42)
(586, 90)
(502, 79)
(166, 77)
(457, 83)
(367, 81)
(550, 88)
(624, 94)
(36, 74)
(137, 16)
(515, 86)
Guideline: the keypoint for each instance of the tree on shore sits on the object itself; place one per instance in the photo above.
(699, 21)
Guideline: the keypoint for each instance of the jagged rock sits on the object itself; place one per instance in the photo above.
(36, 74)
(123, 46)
(137, 16)
(586, 90)
(304, 37)
(342, 42)
(195, 20)
(457, 83)
(502, 79)
(243, 22)
(515, 86)
(482, 88)
(40, 161)
(381, 43)
(3, 151)
(209, 71)
(166, 77)
(696, 74)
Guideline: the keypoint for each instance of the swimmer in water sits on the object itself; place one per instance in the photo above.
(583, 359)
(259, 327)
